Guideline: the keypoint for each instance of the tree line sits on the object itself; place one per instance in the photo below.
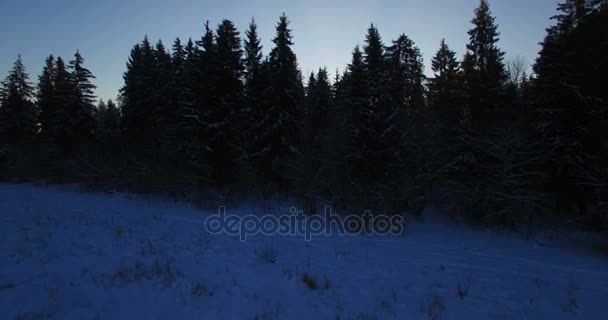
(480, 136)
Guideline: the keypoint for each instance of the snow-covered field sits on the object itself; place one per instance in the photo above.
(71, 255)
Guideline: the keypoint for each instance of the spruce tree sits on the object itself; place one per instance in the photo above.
(45, 93)
(83, 111)
(108, 125)
(311, 164)
(229, 65)
(570, 103)
(188, 111)
(319, 98)
(190, 49)
(164, 109)
(17, 111)
(180, 97)
(310, 91)
(178, 57)
(356, 97)
(226, 116)
(405, 76)
(483, 68)
(138, 94)
(360, 130)
(281, 126)
(203, 86)
(179, 66)
(403, 124)
(446, 104)
(253, 57)
(59, 128)
(341, 132)
(445, 87)
(256, 85)
(375, 151)
(200, 92)
(376, 68)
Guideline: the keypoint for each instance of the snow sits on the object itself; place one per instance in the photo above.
(65, 254)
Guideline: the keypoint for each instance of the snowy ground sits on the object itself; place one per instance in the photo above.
(70, 255)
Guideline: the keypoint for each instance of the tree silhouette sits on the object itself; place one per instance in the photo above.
(483, 67)
(17, 111)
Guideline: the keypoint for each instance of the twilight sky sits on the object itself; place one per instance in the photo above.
(325, 31)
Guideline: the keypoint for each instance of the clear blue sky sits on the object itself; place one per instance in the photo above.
(325, 31)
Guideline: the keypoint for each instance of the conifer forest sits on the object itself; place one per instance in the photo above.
(483, 137)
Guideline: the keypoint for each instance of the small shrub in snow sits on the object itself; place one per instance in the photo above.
(271, 310)
(199, 290)
(434, 308)
(287, 272)
(148, 249)
(6, 286)
(417, 204)
(165, 271)
(600, 249)
(119, 232)
(360, 316)
(366, 316)
(127, 274)
(312, 283)
(342, 253)
(262, 316)
(122, 275)
(162, 270)
(463, 288)
(83, 271)
(326, 283)
(571, 304)
(386, 305)
(140, 271)
(32, 316)
(268, 254)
